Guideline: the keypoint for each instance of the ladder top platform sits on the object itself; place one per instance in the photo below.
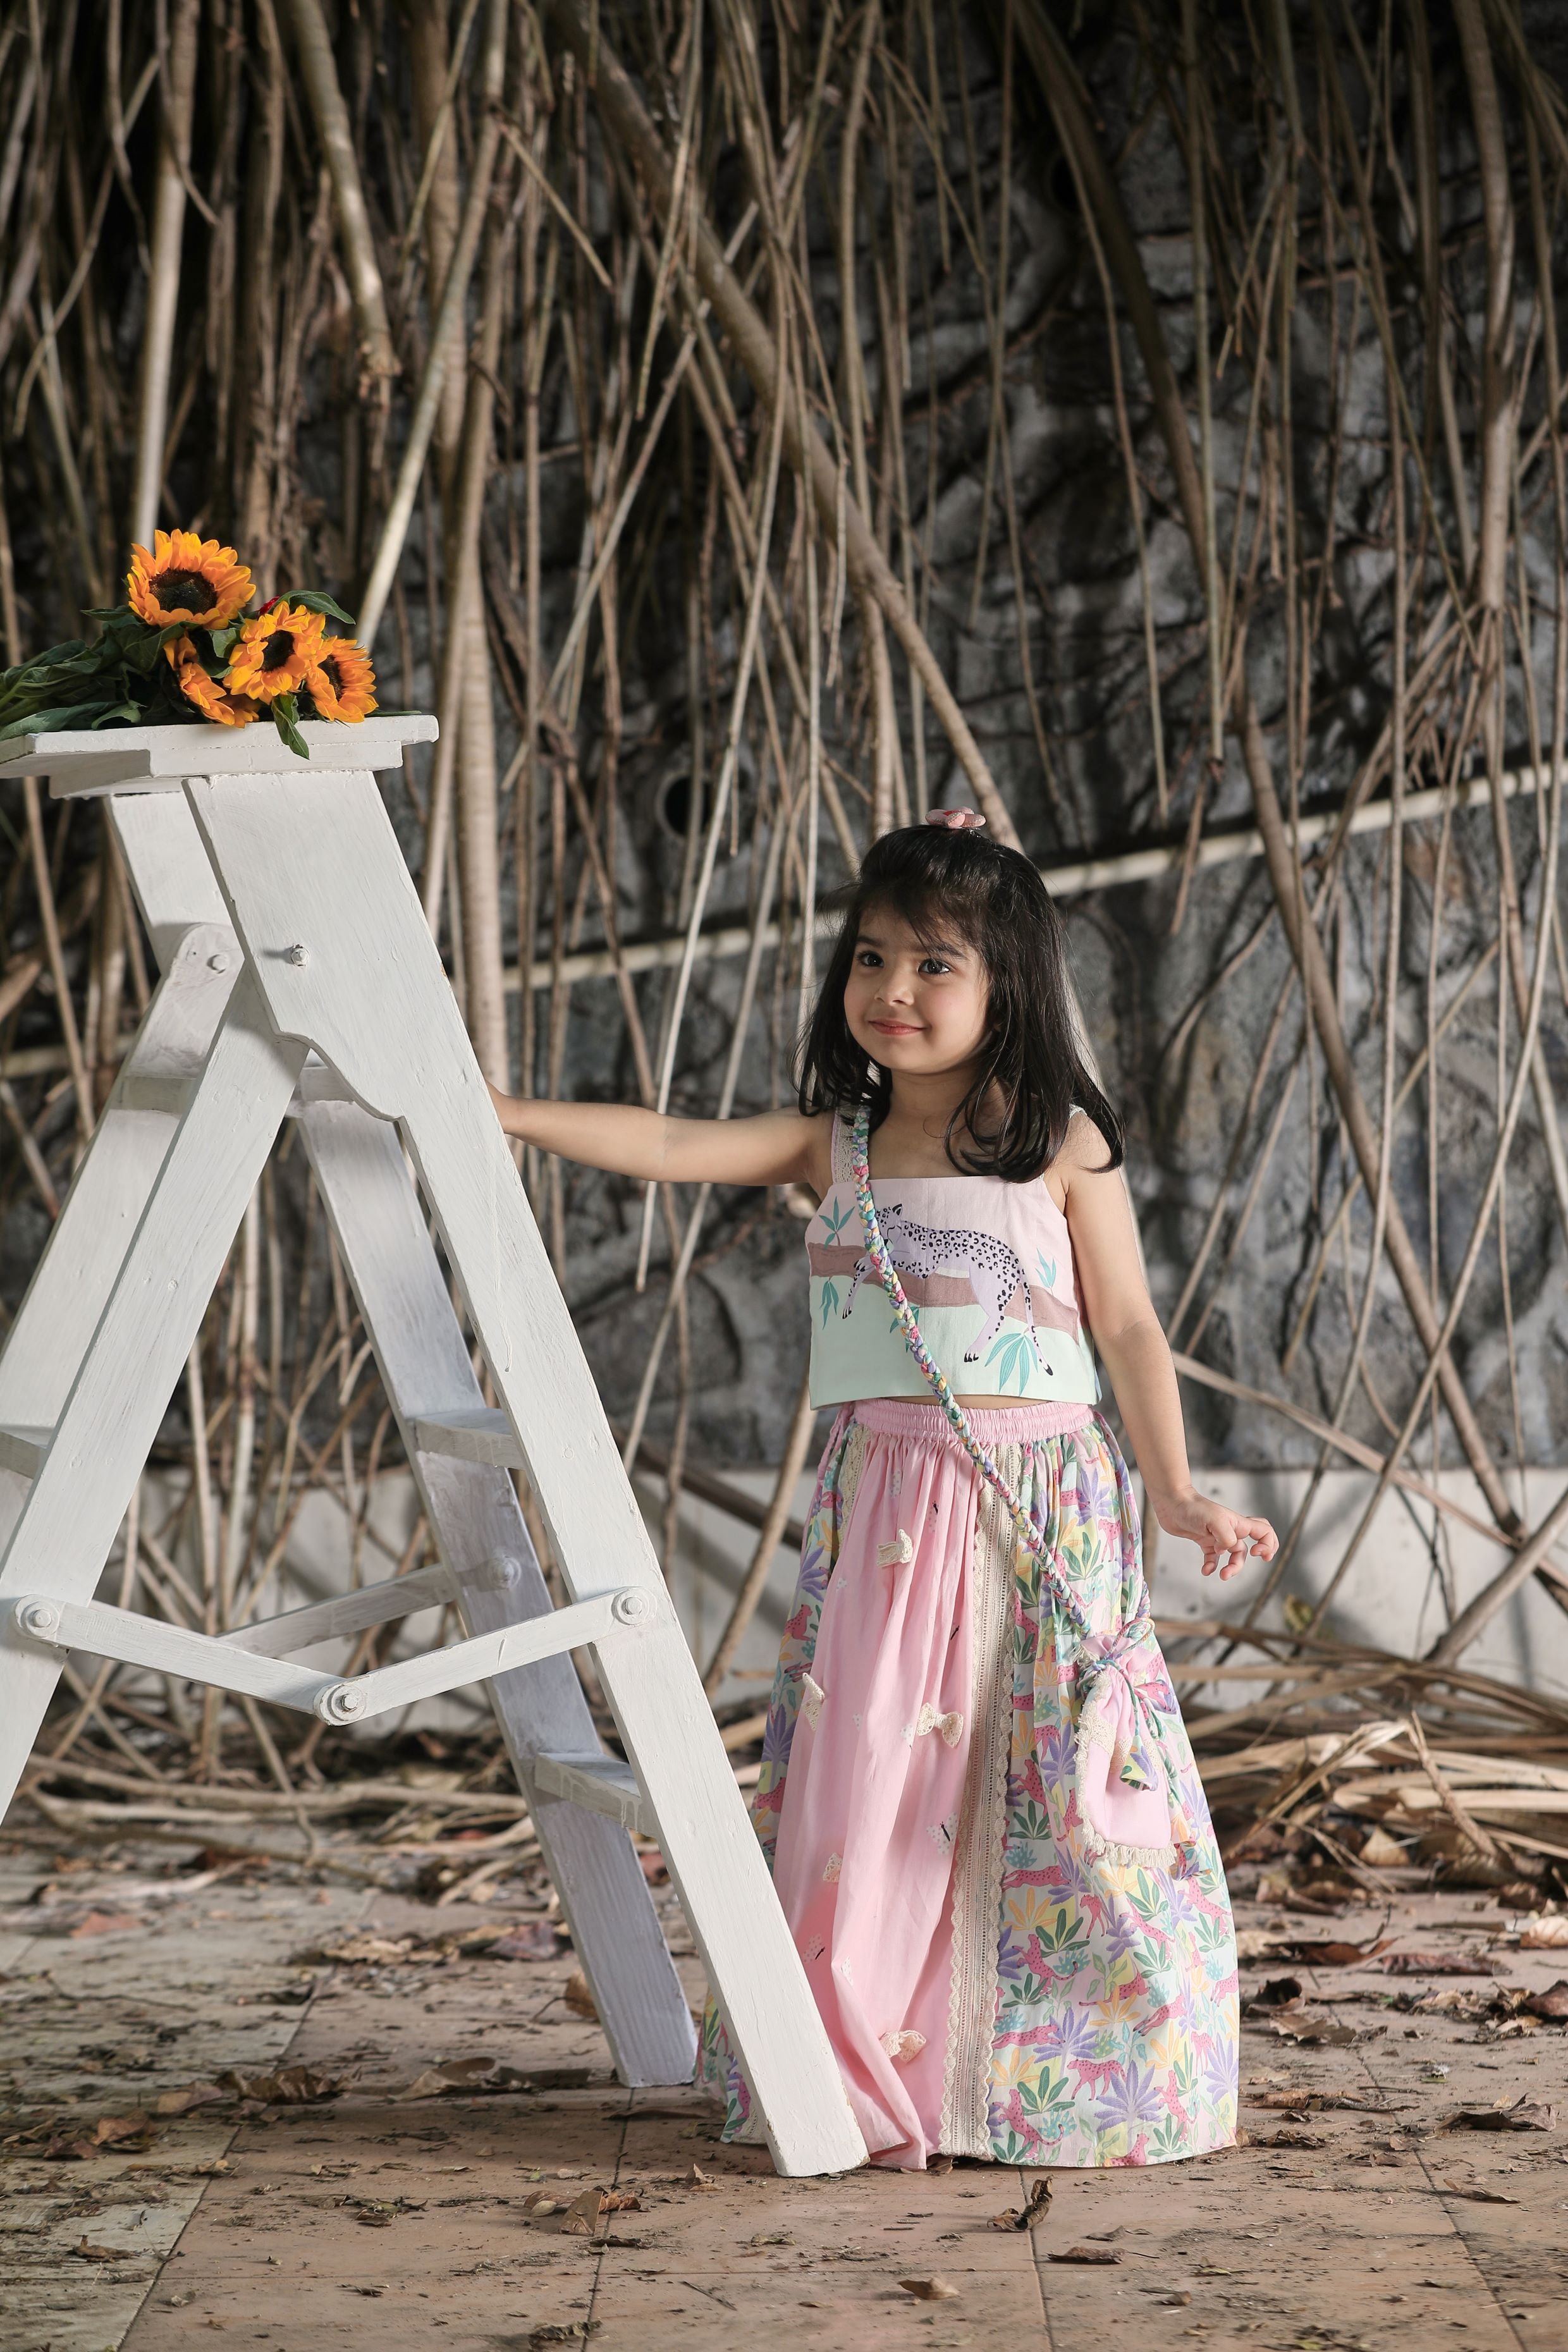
(85, 762)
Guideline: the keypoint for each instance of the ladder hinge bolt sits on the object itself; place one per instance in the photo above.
(298, 954)
(39, 1618)
(217, 963)
(631, 1607)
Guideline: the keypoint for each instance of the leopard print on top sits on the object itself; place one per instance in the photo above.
(988, 1267)
(994, 1270)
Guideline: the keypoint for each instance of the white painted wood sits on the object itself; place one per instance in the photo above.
(158, 1090)
(336, 948)
(39, 1621)
(599, 1782)
(424, 1359)
(158, 759)
(126, 1366)
(170, 871)
(321, 872)
(72, 1281)
(21, 1449)
(479, 1432)
(345, 1613)
(479, 1659)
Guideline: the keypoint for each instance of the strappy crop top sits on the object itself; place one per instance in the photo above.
(988, 1267)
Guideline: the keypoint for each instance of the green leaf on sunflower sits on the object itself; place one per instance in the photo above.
(316, 600)
(286, 719)
(222, 641)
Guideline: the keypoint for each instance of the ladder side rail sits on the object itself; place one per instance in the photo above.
(325, 873)
(117, 1399)
(473, 1510)
(70, 1284)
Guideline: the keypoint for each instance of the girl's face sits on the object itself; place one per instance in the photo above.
(917, 1008)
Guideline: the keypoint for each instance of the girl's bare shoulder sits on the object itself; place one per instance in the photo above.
(815, 1131)
(1085, 1150)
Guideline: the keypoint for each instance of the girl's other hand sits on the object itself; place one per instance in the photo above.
(1228, 1538)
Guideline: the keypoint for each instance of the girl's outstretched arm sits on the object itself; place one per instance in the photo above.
(777, 1147)
(1134, 1351)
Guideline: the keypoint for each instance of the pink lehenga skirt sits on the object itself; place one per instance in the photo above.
(985, 1827)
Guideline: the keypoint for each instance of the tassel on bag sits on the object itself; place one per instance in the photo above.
(1119, 1778)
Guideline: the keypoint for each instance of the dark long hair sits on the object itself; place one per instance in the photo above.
(941, 881)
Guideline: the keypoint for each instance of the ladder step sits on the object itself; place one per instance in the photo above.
(23, 1445)
(472, 1433)
(167, 1091)
(601, 1783)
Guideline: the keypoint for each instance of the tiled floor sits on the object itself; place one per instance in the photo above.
(376, 2219)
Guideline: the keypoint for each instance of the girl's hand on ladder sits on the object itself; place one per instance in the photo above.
(1228, 1538)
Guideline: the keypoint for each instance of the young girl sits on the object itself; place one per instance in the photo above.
(977, 1797)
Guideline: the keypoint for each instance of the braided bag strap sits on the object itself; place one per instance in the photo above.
(931, 1371)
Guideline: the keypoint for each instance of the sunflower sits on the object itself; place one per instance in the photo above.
(205, 692)
(186, 579)
(274, 651)
(340, 682)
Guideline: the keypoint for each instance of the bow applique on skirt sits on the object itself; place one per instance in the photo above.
(1123, 1792)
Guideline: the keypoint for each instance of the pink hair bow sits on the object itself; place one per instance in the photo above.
(957, 820)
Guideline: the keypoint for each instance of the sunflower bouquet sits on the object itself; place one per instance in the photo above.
(181, 648)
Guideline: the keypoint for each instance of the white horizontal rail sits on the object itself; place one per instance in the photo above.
(119, 1633)
(1066, 880)
(133, 1641)
(487, 1654)
(345, 1612)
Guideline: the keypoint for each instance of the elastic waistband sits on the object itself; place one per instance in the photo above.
(993, 1425)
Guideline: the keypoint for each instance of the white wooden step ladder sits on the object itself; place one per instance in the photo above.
(299, 977)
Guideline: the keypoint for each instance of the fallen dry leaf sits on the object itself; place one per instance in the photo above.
(929, 2290)
(1288, 2137)
(533, 1939)
(364, 1950)
(1551, 2004)
(581, 2217)
(1437, 1964)
(1313, 2032)
(479, 2073)
(1480, 2196)
(696, 2179)
(285, 2086)
(1260, 1944)
(106, 1923)
(181, 2102)
(88, 2253)
(1279, 1993)
(1031, 2214)
(1523, 2115)
(577, 1997)
(1543, 1934)
(121, 2132)
(1086, 2254)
